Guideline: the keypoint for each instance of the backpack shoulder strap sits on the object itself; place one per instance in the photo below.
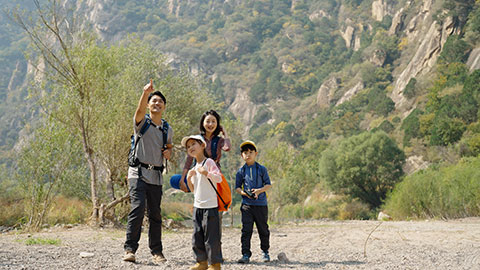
(145, 126)
(213, 186)
(214, 147)
(165, 128)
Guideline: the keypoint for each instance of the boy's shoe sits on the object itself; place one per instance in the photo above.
(158, 258)
(244, 259)
(215, 266)
(266, 257)
(129, 256)
(200, 266)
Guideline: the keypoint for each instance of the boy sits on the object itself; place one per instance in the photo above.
(252, 181)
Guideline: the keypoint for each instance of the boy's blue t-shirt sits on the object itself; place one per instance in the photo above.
(255, 176)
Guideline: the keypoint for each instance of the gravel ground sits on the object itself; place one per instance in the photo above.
(422, 245)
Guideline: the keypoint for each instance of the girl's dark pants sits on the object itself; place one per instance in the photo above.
(206, 235)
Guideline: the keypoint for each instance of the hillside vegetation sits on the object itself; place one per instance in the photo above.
(352, 103)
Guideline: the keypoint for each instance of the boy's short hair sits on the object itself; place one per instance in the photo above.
(247, 145)
(157, 93)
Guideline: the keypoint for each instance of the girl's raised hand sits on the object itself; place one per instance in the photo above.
(191, 173)
(202, 171)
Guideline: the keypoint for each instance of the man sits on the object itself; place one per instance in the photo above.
(145, 180)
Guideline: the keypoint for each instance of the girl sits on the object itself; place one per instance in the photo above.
(210, 130)
(201, 180)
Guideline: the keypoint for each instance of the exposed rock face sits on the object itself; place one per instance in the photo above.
(177, 63)
(380, 9)
(424, 58)
(317, 15)
(18, 76)
(294, 3)
(397, 22)
(357, 44)
(473, 61)
(378, 58)
(103, 18)
(351, 93)
(326, 91)
(348, 36)
(351, 37)
(414, 163)
(427, 5)
(243, 108)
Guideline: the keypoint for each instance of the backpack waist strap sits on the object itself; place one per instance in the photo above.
(151, 167)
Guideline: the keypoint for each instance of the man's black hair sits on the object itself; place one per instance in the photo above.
(157, 93)
(247, 147)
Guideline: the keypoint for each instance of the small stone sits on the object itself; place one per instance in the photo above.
(383, 217)
(86, 254)
(282, 257)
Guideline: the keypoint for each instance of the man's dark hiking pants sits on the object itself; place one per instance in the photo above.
(141, 195)
(257, 214)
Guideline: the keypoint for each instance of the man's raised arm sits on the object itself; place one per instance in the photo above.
(142, 103)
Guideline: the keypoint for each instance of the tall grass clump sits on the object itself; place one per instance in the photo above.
(438, 192)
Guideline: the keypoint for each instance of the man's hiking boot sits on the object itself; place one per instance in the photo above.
(129, 256)
(200, 266)
(158, 258)
(215, 266)
(244, 259)
(266, 257)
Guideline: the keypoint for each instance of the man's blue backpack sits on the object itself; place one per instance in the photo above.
(132, 157)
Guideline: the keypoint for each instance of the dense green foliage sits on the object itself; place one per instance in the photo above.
(439, 192)
(365, 166)
(49, 165)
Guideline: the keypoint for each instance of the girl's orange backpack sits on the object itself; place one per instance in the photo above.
(224, 194)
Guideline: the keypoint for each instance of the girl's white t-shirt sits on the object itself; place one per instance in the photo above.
(205, 196)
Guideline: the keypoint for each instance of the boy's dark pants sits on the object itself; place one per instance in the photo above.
(206, 235)
(142, 194)
(257, 214)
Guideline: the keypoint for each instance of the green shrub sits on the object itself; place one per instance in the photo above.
(411, 126)
(366, 166)
(354, 210)
(446, 131)
(438, 192)
(410, 89)
(385, 126)
(454, 50)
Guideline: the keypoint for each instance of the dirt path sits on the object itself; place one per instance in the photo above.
(311, 245)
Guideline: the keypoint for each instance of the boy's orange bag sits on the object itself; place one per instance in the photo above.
(224, 194)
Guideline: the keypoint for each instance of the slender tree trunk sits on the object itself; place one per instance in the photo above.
(110, 187)
(111, 195)
(93, 188)
(93, 174)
